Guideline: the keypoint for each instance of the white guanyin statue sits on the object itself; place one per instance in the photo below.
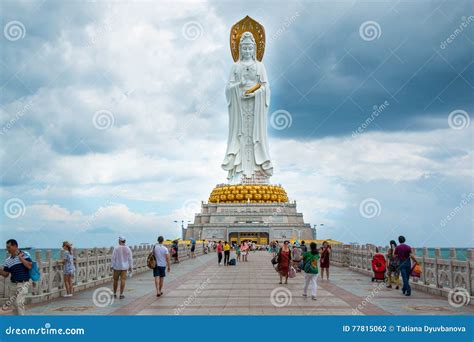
(248, 98)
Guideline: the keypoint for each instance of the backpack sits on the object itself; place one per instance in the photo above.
(394, 264)
(296, 254)
(311, 266)
(34, 272)
(232, 262)
(151, 259)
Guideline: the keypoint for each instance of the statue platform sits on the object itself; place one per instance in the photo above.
(247, 218)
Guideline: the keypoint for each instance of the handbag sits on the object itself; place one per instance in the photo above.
(291, 272)
(301, 265)
(151, 259)
(416, 271)
(275, 260)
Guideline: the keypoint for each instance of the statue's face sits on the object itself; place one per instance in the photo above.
(247, 50)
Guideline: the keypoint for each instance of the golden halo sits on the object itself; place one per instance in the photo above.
(252, 26)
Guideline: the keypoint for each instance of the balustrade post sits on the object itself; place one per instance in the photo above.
(96, 262)
(413, 252)
(50, 270)
(367, 264)
(37, 286)
(437, 257)
(423, 260)
(452, 260)
(352, 252)
(108, 266)
(87, 265)
(347, 255)
(470, 262)
(135, 253)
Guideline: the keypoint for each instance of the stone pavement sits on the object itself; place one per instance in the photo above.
(201, 287)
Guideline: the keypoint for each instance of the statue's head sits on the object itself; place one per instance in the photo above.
(247, 46)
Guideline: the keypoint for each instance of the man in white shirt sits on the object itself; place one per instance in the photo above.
(121, 262)
(162, 256)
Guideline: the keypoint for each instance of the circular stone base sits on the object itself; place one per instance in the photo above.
(244, 193)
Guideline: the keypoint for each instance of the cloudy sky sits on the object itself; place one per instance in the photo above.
(113, 116)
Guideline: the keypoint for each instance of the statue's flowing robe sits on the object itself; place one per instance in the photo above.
(235, 144)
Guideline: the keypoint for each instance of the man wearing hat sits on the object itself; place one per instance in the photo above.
(121, 262)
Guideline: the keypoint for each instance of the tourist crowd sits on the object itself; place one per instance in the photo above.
(287, 259)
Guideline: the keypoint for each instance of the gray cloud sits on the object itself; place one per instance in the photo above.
(165, 94)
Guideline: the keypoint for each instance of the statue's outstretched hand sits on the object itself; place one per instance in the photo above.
(252, 94)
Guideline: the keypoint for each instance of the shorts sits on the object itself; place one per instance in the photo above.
(159, 271)
(119, 274)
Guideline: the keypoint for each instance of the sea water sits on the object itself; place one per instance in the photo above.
(461, 253)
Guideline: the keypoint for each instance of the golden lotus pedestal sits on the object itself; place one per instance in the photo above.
(244, 193)
(255, 212)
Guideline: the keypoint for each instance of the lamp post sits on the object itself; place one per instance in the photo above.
(183, 230)
(315, 234)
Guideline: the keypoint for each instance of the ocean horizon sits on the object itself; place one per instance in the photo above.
(461, 253)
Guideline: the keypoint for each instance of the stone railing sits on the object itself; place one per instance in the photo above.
(93, 267)
(439, 276)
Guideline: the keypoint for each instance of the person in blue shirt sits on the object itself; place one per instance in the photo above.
(17, 266)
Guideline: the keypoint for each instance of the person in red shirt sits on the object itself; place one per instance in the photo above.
(219, 252)
(403, 252)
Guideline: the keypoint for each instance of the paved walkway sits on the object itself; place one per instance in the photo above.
(200, 287)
